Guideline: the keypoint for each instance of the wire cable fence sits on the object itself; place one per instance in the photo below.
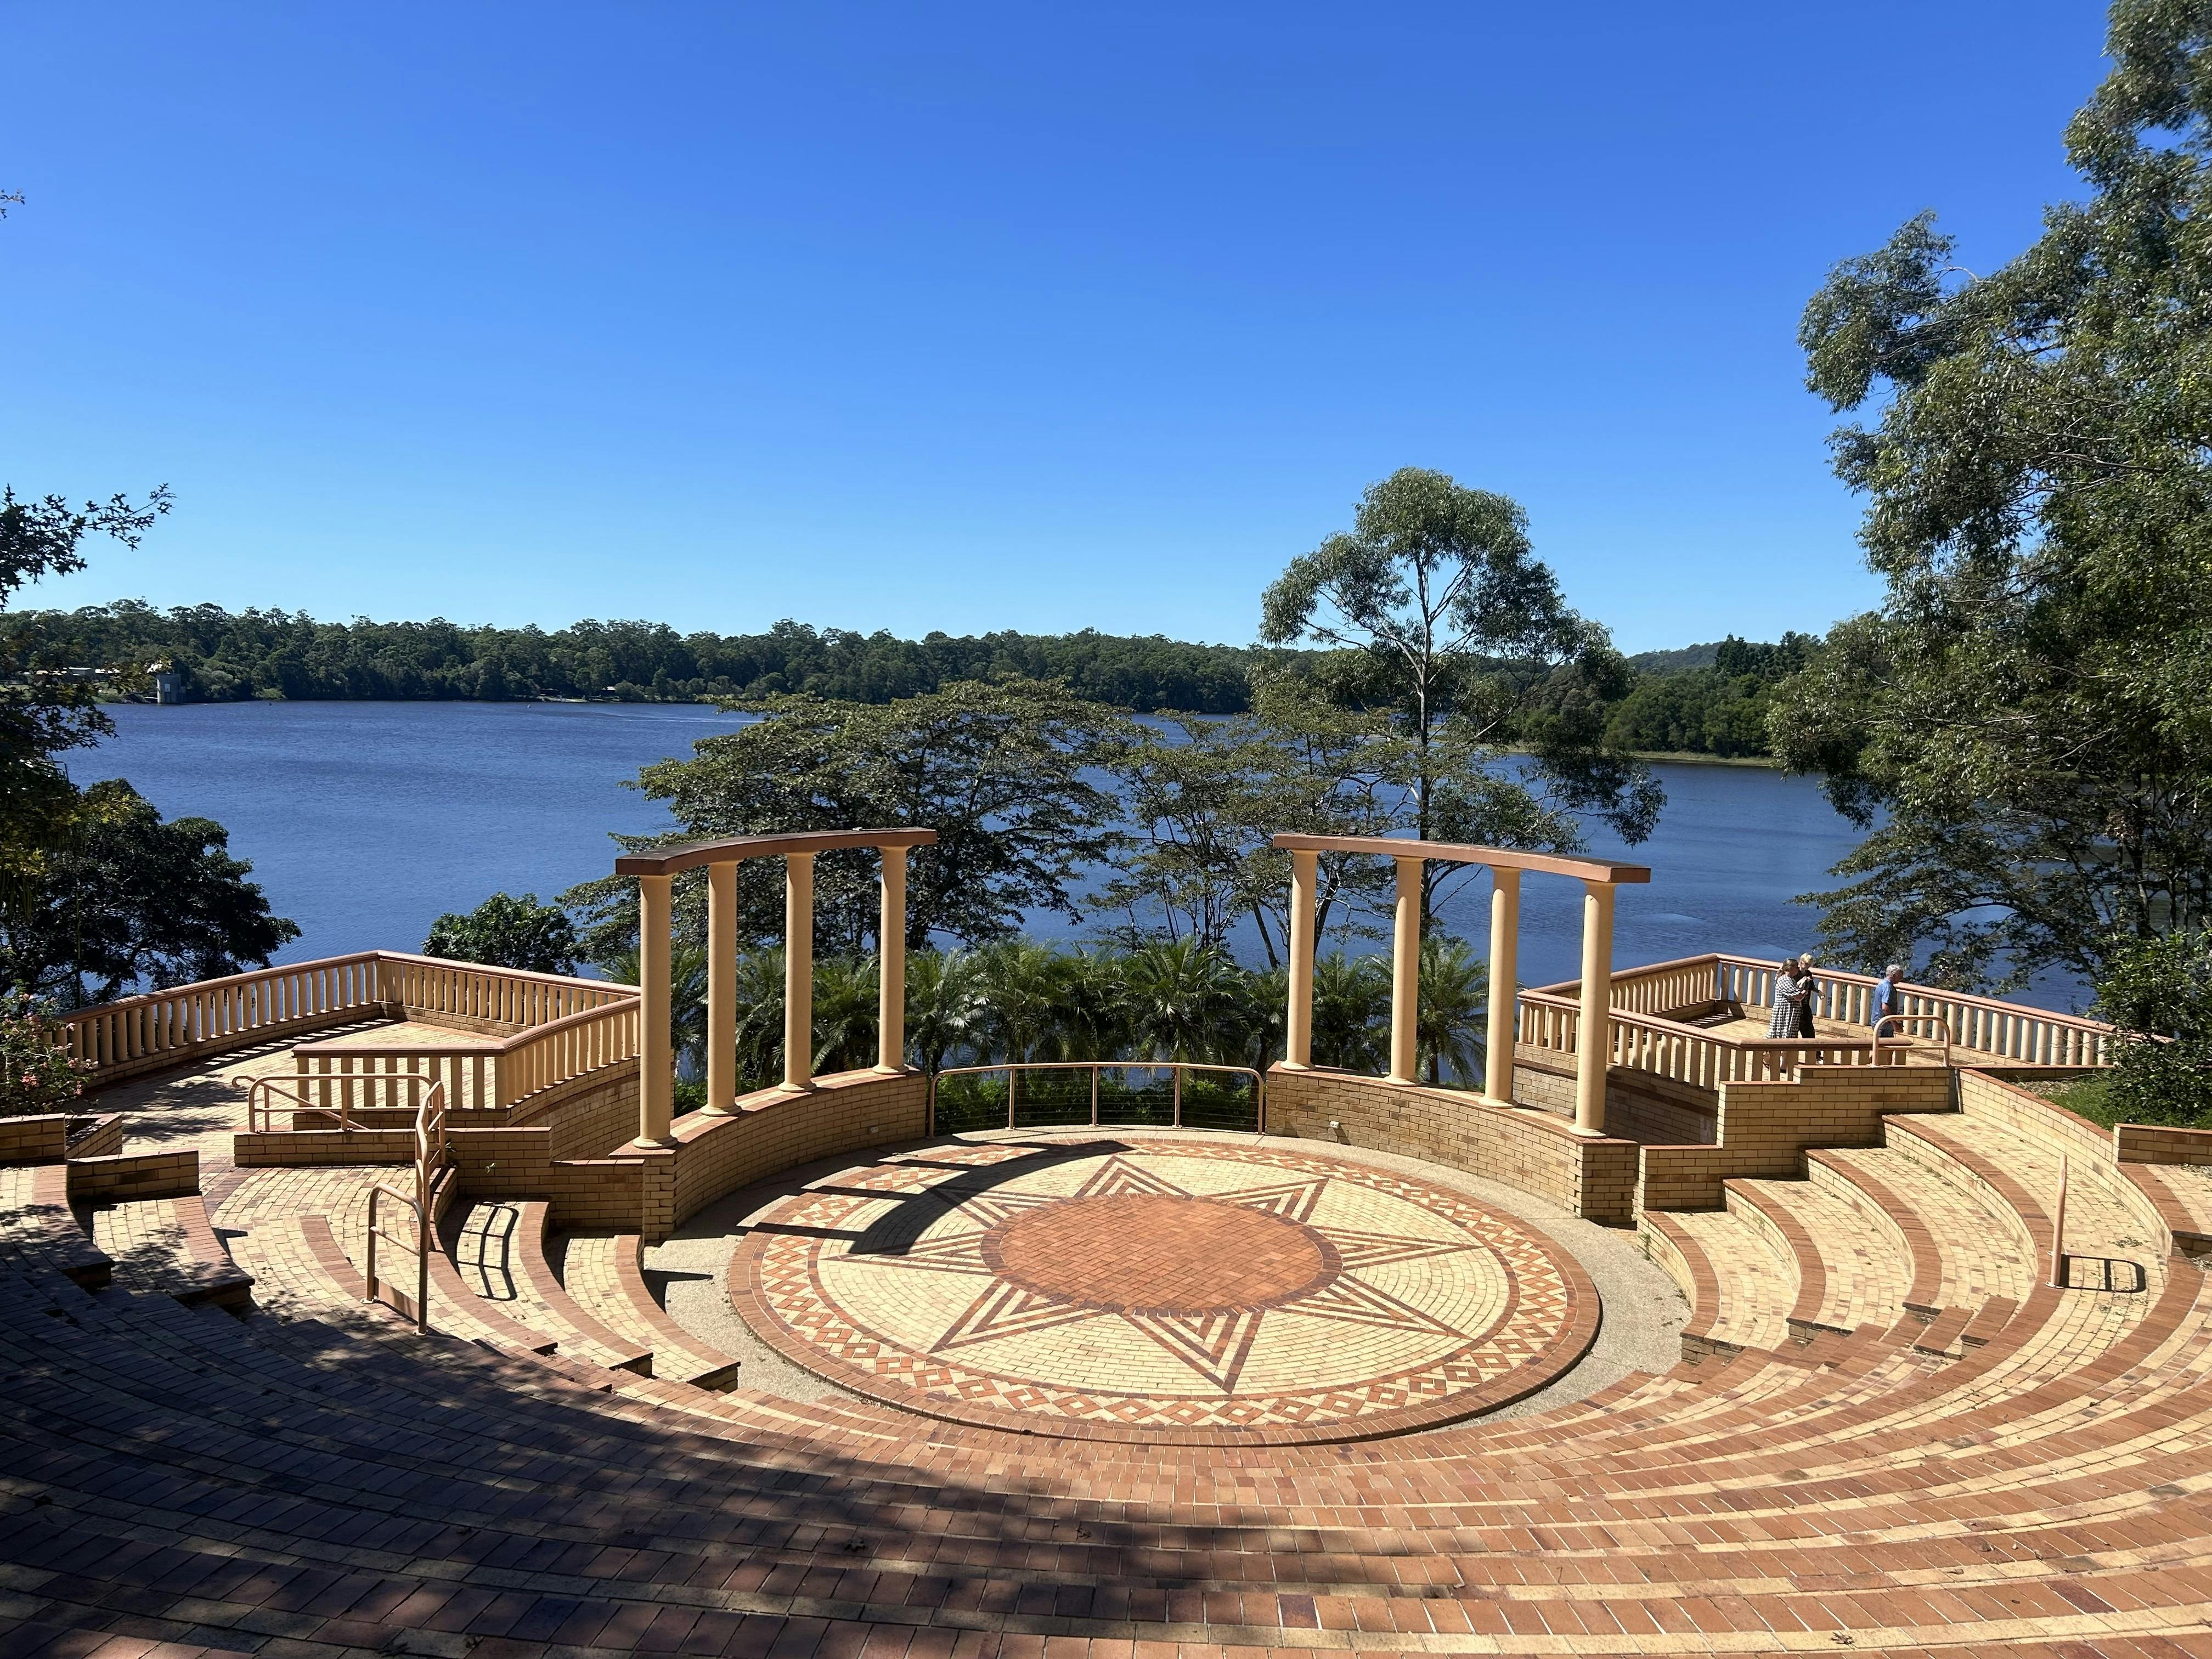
(1066, 1093)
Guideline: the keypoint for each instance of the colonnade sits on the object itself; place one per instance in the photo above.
(656, 873)
(1593, 1040)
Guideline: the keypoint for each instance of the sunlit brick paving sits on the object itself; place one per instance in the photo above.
(844, 1387)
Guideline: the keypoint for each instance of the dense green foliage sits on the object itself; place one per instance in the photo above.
(115, 896)
(1006, 774)
(1018, 1000)
(2023, 724)
(1720, 708)
(36, 1073)
(2158, 993)
(507, 931)
(222, 655)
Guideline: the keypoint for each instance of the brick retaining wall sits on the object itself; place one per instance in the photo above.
(1765, 1128)
(772, 1131)
(122, 1177)
(2151, 1143)
(1593, 1176)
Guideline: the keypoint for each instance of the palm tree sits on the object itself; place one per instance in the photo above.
(1090, 1013)
(1264, 993)
(1448, 1023)
(944, 1007)
(1184, 1000)
(1350, 1011)
(758, 994)
(687, 999)
(845, 1017)
(1023, 985)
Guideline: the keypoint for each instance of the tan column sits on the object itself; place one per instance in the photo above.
(799, 970)
(1593, 1040)
(891, 965)
(656, 1062)
(1504, 979)
(1297, 1024)
(721, 987)
(1405, 970)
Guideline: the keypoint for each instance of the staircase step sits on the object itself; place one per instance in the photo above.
(496, 1249)
(167, 1245)
(602, 1271)
(37, 1226)
(1848, 1271)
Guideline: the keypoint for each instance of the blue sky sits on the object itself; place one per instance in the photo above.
(970, 317)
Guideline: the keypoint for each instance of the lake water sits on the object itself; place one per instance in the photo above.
(364, 821)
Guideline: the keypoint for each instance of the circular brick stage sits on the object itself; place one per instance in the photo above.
(1165, 1290)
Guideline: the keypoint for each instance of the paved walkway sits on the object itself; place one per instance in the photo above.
(203, 1106)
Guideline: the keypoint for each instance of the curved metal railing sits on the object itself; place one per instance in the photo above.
(334, 1098)
(432, 1153)
(1937, 1020)
(1014, 1071)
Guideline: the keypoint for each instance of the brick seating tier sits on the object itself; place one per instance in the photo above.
(1896, 1437)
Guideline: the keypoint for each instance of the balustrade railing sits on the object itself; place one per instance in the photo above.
(1645, 1037)
(1175, 1094)
(164, 1027)
(561, 1028)
(497, 1072)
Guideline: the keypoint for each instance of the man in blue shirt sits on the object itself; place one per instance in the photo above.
(1888, 999)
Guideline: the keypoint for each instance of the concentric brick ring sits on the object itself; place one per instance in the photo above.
(1165, 1290)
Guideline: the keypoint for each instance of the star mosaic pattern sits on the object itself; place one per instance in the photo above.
(1161, 1289)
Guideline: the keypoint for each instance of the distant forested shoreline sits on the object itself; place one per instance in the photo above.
(1709, 699)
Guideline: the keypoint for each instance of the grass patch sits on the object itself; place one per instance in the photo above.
(2090, 1095)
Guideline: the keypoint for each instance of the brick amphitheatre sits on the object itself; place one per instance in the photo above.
(841, 1368)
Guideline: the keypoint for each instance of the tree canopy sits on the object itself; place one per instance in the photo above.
(1446, 626)
(2022, 723)
(222, 655)
(507, 931)
(1004, 772)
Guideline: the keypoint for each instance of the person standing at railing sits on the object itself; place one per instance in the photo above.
(1888, 994)
(1810, 1000)
(1793, 988)
(1888, 999)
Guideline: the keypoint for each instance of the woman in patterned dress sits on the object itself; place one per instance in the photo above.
(1811, 1000)
(1790, 990)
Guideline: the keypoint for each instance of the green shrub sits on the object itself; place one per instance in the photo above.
(36, 1073)
(2158, 994)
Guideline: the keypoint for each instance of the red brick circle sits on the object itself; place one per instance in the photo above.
(1196, 1257)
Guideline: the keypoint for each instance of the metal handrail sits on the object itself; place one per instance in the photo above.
(432, 1153)
(1919, 1020)
(1012, 1067)
(261, 1108)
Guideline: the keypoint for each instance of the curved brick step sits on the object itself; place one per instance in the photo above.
(1850, 1272)
(1627, 1600)
(2181, 1195)
(602, 1271)
(1741, 1287)
(166, 1244)
(498, 1249)
(1963, 1249)
(38, 1228)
